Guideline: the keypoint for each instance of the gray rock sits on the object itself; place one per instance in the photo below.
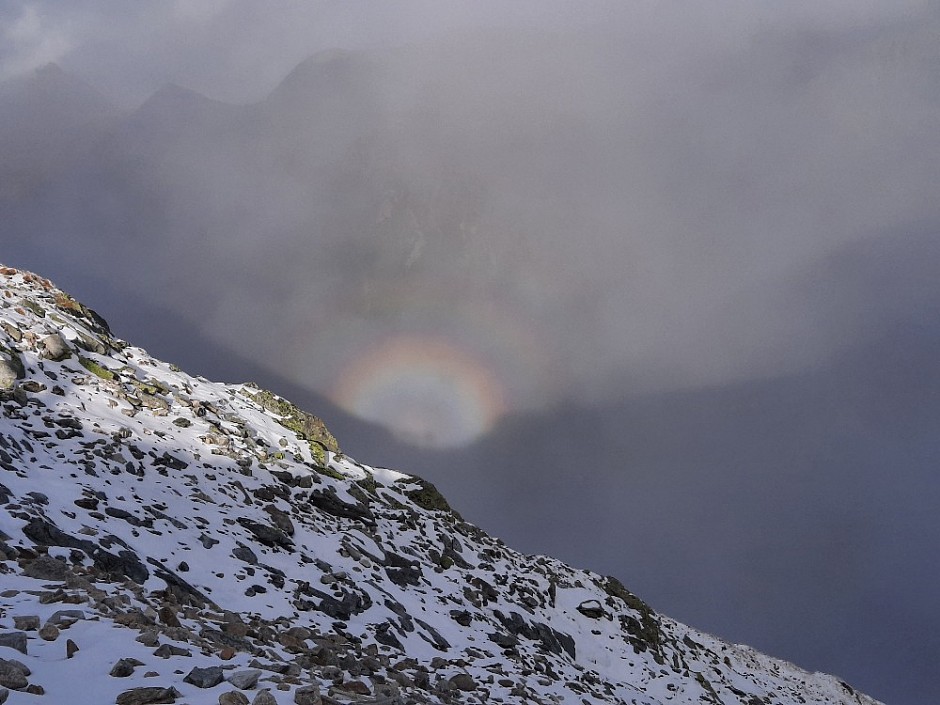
(20, 396)
(124, 564)
(11, 676)
(14, 640)
(148, 637)
(229, 617)
(125, 667)
(167, 650)
(8, 374)
(464, 682)
(274, 666)
(205, 677)
(264, 697)
(4, 694)
(245, 680)
(355, 687)
(49, 632)
(243, 553)
(268, 535)
(308, 695)
(148, 696)
(233, 697)
(55, 347)
(592, 609)
(65, 617)
(24, 669)
(47, 568)
(12, 330)
(299, 633)
(280, 519)
(168, 616)
(26, 623)
(45, 533)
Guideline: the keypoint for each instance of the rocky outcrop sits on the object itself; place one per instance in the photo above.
(176, 539)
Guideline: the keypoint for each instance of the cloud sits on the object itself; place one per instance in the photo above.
(29, 40)
(641, 188)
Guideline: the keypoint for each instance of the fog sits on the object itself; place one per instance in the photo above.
(695, 246)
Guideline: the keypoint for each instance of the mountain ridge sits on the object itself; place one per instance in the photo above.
(132, 490)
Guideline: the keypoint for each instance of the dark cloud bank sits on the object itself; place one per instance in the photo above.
(700, 254)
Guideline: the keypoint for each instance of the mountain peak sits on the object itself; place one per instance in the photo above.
(162, 535)
(174, 97)
(327, 75)
(50, 88)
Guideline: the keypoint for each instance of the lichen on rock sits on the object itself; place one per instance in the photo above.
(96, 369)
(309, 427)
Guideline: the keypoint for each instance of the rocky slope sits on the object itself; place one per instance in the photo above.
(167, 539)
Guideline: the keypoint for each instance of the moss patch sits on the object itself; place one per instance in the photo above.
(96, 369)
(369, 484)
(34, 307)
(151, 387)
(307, 426)
(428, 497)
(66, 303)
(322, 469)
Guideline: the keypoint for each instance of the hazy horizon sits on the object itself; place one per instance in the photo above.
(695, 246)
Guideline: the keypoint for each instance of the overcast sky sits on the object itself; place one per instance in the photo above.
(697, 242)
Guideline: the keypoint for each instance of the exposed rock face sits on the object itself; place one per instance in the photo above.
(212, 538)
(14, 640)
(12, 675)
(55, 347)
(8, 374)
(205, 677)
(147, 696)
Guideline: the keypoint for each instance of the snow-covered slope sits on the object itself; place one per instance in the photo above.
(164, 538)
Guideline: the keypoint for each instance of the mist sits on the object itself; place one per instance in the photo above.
(606, 221)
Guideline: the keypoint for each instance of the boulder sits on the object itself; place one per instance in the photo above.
(124, 667)
(243, 553)
(47, 568)
(268, 535)
(592, 609)
(14, 640)
(245, 680)
(264, 697)
(168, 616)
(65, 618)
(233, 697)
(148, 696)
(8, 374)
(12, 676)
(148, 637)
(463, 681)
(55, 347)
(26, 623)
(124, 564)
(168, 650)
(308, 695)
(280, 519)
(205, 677)
(355, 687)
